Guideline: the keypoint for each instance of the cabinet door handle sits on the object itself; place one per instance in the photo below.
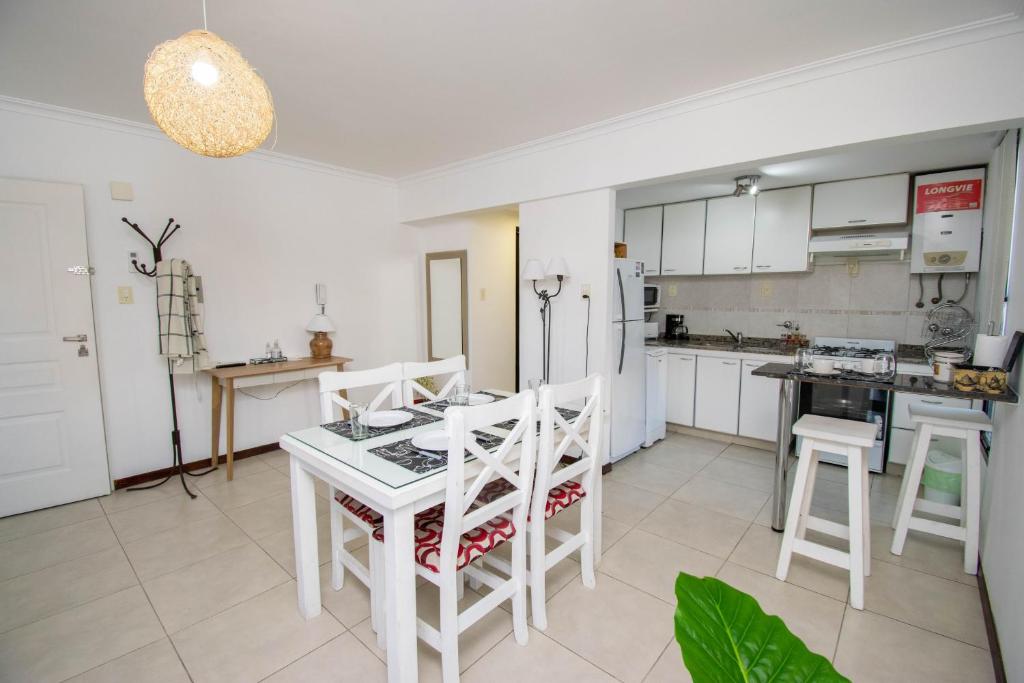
(933, 403)
(858, 220)
(668, 270)
(728, 362)
(764, 266)
(740, 267)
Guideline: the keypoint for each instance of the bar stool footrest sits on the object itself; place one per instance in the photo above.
(942, 509)
(822, 553)
(956, 532)
(826, 526)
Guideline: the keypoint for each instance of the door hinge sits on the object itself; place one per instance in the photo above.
(82, 270)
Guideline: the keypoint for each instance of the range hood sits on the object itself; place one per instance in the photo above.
(860, 244)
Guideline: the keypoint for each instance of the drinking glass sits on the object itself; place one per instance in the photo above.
(803, 358)
(360, 430)
(535, 384)
(460, 395)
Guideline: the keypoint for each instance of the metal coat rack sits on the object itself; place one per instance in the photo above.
(178, 467)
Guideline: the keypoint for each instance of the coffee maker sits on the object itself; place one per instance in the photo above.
(675, 327)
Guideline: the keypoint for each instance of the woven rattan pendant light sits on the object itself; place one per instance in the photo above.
(206, 97)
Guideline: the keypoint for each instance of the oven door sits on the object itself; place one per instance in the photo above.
(850, 403)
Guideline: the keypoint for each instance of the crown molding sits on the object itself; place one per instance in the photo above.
(147, 130)
(944, 39)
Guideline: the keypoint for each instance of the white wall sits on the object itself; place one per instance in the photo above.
(578, 228)
(1002, 550)
(873, 95)
(260, 231)
(490, 242)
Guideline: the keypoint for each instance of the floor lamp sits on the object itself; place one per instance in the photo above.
(534, 271)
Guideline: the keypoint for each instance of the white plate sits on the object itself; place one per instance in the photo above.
(385, 418)
(431, 441)
(480, 399)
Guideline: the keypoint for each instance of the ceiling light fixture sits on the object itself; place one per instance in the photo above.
(747, 184)
(205, 96)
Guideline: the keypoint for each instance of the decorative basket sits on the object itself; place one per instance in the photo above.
(979, 378)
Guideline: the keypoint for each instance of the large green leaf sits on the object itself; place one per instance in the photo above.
(726, 636)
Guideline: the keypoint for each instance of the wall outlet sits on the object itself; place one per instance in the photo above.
(673, 290)
(133, 256)
(853, 267)
(125, 296)
(766, 290)
(584, 290)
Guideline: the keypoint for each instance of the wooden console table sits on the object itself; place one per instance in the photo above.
(229, 379)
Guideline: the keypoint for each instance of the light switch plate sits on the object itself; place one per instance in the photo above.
(121, 191)
(125, 296)
(584, 290)
(673, 290)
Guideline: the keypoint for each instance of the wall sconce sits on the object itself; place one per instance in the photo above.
(533, 272)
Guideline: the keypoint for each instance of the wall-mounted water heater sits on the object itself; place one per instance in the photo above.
(947, 222)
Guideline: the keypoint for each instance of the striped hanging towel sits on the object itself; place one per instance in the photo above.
(179, 313)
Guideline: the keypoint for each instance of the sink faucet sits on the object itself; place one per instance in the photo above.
(737, 337)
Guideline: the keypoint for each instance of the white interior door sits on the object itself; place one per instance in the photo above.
(52, 446)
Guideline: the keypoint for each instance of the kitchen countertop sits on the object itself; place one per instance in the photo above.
(913, 355)
(911, 384)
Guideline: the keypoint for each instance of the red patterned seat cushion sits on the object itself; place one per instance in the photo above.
(363, 512)
(559, 498)
(427, 530)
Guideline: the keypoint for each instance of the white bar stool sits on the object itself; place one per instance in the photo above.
(845, 437)
(959, 423)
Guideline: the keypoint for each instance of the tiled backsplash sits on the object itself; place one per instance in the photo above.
(877, 302)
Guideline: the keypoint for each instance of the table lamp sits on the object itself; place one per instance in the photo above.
(320, 345)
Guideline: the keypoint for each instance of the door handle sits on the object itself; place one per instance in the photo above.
(76, 338)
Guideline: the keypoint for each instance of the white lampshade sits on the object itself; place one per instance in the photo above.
(320, 323)
(534, 270)
(557, 266)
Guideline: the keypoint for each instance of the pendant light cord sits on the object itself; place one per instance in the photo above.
(204, 16)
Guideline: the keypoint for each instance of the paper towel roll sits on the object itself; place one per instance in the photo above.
(990, 349)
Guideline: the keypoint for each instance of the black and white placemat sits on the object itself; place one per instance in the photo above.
(439, 406)
(419, 418)
(404, 454)
(567, 414)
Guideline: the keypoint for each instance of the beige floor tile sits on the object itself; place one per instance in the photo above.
(670, 667)
(278, 459)
(924, 552)
(265, 634)
(695, 444)
(759, 550)
(637, 472)
(473, 642)
(343, 660)
(652, 563)
(617, 627)
(123, 499)
(281, 545)
(612, 531)
(814, 618)
(193, 593)
(79, 639)
(695, 526)
(351, 604)
(674, 456)
(269, 516)
(876, 648)
(18, 526)
(152, 518)
(242, 468)
(627, 504)
(946, 607)
(721, 496)
(46, 592)
(764, 516)
(555, 579)
(740, 473)
(38, 551)
(541, 659)
(154, 663)
(752, 456)
(249, 489)
(179, 547)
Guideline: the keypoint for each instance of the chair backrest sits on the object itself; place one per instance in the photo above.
(454, 366)
(390, 376)
(513, 461)
(583, 431)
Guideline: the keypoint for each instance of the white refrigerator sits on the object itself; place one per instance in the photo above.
(629, 359)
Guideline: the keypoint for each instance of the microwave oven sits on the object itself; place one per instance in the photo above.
(652, 297)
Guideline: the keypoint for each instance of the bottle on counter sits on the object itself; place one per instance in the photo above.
(276, 350)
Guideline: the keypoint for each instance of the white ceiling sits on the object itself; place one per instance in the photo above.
(867, 159)
(400, 86)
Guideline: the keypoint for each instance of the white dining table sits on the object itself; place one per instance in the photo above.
(395, 492)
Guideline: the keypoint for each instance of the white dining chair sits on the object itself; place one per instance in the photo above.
(363, 517)
(454, 366)
(450, 536)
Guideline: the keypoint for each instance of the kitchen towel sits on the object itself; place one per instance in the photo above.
(989, 350)
(179, 313)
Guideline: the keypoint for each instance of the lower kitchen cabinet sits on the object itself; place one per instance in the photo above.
(759, 404)
(682, 375)
(718, 392)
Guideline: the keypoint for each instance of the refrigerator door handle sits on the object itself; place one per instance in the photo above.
(622, 348)
(622, 301)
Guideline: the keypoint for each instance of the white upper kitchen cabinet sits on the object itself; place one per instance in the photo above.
(879, 200)
(682, 243)
(729, 237)
(759, 404)
(782, 230)
(718, 394)
(681, 379)
(642, 233)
